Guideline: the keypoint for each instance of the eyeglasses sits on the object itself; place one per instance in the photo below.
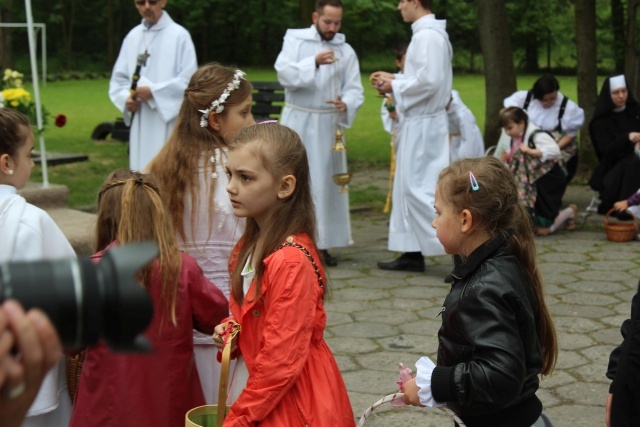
(151, 2)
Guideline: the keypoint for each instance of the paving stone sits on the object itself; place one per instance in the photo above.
(570, 359)
(568, 341)
(388, 317)
(346, 363)
(576, 325)
(340, 345)
(600, 287)
(387, 361)
(605, 276)
(408, 304)
(366, 330)
(376, 283)
(336, 318)
(420, 292)
(426, 327)
(409, 343)
(585, 394)
(565, 257)
(586, 298)
(337, 273)
(358, 294)
(576, 415)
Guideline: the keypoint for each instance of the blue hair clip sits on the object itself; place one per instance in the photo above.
(474, 182)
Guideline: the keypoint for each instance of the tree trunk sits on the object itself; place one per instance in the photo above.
(307, 7)
(6, 36)
(585, 12)
(111, 54)
(632, 54)
(499, 72)
(531, 64)
(617, 25)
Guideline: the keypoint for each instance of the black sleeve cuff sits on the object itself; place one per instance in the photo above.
(442, 384)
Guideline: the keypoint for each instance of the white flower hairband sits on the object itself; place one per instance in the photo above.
(217, 104)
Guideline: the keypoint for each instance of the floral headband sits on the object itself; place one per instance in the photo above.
(217, 104)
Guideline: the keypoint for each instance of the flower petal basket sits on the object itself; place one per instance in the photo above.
(620, 231)
(213, 415)
(395, 396)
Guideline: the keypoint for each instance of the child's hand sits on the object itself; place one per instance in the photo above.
(621, 206)
(218, 337)
(411, 390)
(405, 375)
(504, 156)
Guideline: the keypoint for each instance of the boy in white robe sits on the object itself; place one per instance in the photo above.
(421, 93)
(156, 101)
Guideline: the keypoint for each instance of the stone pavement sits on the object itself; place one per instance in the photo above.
(379, 318)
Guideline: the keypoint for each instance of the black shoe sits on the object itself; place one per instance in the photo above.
(448, 279)
(406, 262)
(328, 259)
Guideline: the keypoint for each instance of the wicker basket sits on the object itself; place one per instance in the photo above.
(213, 415)
(620, 231)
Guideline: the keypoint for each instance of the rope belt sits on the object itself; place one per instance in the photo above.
(312, 110)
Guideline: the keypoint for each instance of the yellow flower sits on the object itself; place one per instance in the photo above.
(7, 73)
(16, 94)
(14, 104)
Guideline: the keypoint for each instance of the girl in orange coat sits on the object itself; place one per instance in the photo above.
(278, 287)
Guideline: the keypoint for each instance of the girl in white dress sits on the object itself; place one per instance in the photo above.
(192, 179)
(27, 234)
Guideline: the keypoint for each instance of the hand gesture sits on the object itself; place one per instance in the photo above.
(381, 81)
(621, 206)
(131, 104)
(325, 57)
(38, 345)
(340, 106)
(219, 333)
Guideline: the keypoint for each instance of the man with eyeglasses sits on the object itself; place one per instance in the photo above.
(162, 54)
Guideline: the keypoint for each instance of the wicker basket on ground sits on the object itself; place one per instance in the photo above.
(620, 231)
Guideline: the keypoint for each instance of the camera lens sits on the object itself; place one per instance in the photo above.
(87, 301)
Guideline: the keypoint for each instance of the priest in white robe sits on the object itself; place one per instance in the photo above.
(323, 90)
(163, 80)
(421, 93)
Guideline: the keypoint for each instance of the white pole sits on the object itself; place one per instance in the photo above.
(36, 91)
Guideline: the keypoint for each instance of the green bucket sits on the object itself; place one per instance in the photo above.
(203, 416)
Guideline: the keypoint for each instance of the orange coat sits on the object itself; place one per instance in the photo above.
(294, 379)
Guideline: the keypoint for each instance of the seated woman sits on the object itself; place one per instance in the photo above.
(553, 112)
(615, 134)
(532, 156)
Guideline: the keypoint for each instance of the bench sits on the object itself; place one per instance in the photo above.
(268, 98)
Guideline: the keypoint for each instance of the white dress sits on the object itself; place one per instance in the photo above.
(211, 235)
(169, 68)
(240, 374)
(421, 93)
(307, 88)
(29, 234)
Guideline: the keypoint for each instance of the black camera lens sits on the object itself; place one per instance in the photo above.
(87, 301)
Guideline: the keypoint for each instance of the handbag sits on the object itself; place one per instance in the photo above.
(213, 415)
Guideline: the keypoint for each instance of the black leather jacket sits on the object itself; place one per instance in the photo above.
(489, 356)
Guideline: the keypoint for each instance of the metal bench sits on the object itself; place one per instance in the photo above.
(268, 98)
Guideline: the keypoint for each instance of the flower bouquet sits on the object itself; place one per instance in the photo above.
(14, 95)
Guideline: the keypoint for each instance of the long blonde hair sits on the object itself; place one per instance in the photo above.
(176, 164)
(496, 208)
(282, 153)
(130, 209)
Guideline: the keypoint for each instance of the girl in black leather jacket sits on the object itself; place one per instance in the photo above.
(497, 335)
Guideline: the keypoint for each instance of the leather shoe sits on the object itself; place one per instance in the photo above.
(403, 263)
(328, 259)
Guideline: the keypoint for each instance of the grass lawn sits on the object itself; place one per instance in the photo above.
(86, 104)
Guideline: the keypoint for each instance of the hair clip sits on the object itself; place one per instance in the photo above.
(139, 180)
(268, 122)
(474, 182)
